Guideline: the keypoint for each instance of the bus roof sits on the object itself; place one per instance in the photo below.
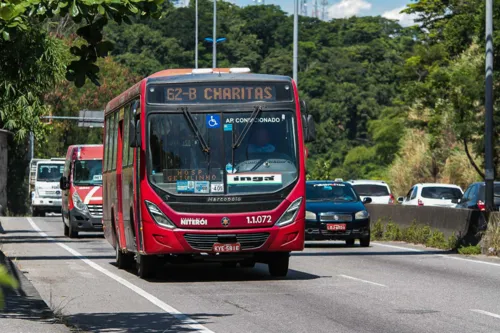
(85, 152)
(187, 75)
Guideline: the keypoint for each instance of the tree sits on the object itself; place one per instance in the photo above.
(18, 18)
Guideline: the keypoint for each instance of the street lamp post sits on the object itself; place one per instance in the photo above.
(295, 40)
(488, 135)
(214, 36)
(196, 35)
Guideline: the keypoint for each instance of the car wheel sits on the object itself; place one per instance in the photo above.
(123, 260)
(34, 212)
(278, 265)
(365, 242)
(71, 232)
(350, 242)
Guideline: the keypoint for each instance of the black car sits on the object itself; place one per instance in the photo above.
(334, 211)
(474, 198)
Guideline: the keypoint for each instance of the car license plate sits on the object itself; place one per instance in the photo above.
(335, 227)
(225, 248)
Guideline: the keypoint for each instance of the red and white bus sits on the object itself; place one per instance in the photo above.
(203, 164)
(81, 184)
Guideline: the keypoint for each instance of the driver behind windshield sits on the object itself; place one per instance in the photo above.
(261, 142)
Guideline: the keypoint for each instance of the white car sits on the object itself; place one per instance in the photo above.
(432, 194)
(378, 190)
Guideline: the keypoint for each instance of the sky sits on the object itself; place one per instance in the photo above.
(346, 8)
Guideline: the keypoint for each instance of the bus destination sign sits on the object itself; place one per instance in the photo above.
(208, 94)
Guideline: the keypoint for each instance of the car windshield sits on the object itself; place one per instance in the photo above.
(49, 172)
(496, 192)
(88, 172)
(330, 192)
(371, 190)
(441, 193)
(265, 161)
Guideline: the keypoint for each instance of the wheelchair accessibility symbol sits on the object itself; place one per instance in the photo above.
(213, 120)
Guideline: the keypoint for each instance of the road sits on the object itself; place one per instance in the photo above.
(330, 288)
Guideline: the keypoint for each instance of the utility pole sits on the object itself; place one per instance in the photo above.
(196, 35)
(488, 135)
(324, 10)
(303, 7)
(295, 40)
(214, 44)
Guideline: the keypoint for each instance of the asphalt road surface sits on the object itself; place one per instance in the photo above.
(330, 288)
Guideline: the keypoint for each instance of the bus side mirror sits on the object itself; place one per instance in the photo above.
(134, 134)
(309, 128)
(63, 183)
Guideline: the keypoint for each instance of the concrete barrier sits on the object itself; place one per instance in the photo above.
(462, 223)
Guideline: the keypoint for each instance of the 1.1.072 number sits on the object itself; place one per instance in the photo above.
(259, 219)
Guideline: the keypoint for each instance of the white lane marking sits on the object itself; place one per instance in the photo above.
(361, 280)
(186, 321)
(439, 255)
(494, 315)
(90, 194)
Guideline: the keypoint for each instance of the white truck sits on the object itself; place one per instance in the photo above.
(44, 186)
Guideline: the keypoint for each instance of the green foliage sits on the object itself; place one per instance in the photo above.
(67, 100)
(6, 281)
(470, 250)
(31, 64)
(20, 17)
(415, 234)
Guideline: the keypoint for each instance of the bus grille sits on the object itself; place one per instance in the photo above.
(95, 210)
(204, 242)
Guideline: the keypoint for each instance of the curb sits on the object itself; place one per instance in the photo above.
(25, 303)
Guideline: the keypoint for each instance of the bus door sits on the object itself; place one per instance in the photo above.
(127, 183)
(119, 186)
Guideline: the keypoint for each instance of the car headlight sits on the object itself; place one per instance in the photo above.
(362, 215)
(310, 215)
(78, 203)
(158, 216)
(289, 216)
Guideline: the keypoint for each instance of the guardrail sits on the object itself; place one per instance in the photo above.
(463, 223)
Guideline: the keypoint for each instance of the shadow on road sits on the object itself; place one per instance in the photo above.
(215, 272)
(62, 257)
(140, 322)
(34, 239)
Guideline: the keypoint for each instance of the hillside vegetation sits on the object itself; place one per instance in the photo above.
(400, 104)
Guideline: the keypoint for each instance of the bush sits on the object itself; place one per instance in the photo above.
(491, 239)
(6, 281)
(415, 234)
(470, 250)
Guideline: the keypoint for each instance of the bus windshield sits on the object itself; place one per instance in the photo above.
(265, 161)
(88, 172)
(49, 172)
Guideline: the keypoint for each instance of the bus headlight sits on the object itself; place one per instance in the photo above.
(158, 216)
(289, 216)
(310, 215)
(78, 203)
(361, 215)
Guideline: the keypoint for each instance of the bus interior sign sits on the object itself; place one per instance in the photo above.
(210, 94)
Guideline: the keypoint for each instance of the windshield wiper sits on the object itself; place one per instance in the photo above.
(254, 115)
(195, 129)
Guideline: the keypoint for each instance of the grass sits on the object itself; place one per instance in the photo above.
(491, 239)
(414, 234)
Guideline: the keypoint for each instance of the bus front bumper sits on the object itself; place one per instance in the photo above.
(84, 221)
(272, 239)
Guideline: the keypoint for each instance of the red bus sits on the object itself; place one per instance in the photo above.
(81, 185)
(203, 164)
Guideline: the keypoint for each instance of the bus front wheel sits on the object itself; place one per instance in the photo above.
(145, 266)
(278, 264)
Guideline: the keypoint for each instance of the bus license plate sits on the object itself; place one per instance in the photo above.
(335, 227)
(225, 248)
